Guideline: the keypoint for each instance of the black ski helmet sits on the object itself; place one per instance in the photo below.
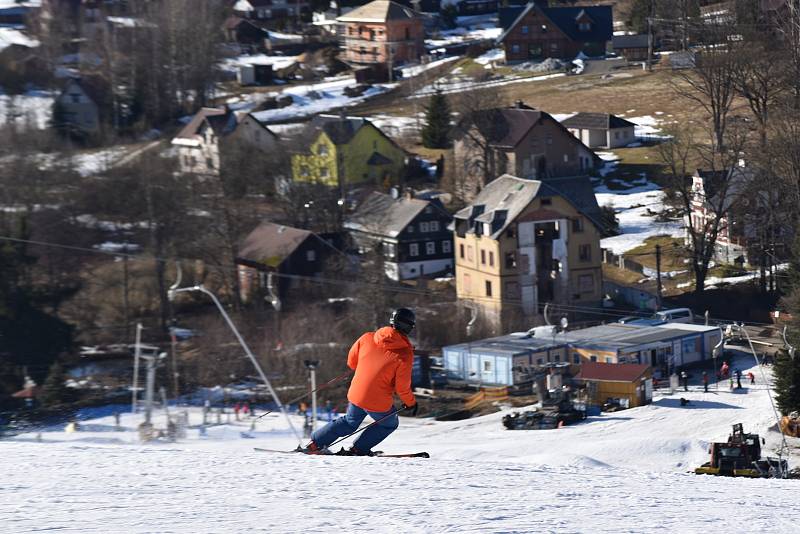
(403, 319)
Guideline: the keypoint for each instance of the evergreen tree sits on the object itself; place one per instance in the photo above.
(787, 382)
(54, 391)
(436, 132)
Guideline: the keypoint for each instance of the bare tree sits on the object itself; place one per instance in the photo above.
(711, 83)
(723, 186)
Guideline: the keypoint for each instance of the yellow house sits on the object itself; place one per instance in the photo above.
(347, 150)
(523, 243)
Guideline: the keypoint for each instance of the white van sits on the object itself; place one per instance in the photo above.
(676, 315)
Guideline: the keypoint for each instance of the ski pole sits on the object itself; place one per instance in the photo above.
(369, 425)
(304, 395)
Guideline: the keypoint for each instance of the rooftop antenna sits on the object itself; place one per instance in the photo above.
(172, 293)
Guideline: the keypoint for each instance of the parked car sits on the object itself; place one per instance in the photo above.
(676, 315)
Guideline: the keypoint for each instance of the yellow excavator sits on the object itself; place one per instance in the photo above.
(740, 456)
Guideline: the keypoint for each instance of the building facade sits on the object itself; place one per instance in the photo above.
(535, 32)
(410, 233)
(347, 150)
(520, 141)
(382, 32)
(601, 129)
(523, 243)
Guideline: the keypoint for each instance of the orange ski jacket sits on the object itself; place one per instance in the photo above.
(382, 362)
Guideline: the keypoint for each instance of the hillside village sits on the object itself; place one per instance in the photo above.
(590, 207)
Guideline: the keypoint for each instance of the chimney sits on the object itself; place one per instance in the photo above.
(408, 194)
(519, 104)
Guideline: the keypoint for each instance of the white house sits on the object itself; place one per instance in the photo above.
(601, 129)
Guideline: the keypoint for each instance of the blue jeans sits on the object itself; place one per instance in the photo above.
(350, 422)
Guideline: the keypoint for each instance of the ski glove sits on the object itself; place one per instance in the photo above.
(412, 409)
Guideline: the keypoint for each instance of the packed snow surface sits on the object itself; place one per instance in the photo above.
(620, 472)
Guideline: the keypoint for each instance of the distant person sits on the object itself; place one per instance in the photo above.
(246, 409)
(738, 379)
(685, 380)
(724, 370)
(236, 408)
(752, 377)
(382, 361)
(705, 381)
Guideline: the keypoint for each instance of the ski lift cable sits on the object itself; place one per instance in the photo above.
(784, 446)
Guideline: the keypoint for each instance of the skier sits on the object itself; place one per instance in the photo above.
(724, 370)
(685, 380)
(705, 381)
(382, 362)
(738, 379)
(752, 377)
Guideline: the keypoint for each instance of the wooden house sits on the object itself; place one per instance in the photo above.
(629, 383)
(535, 32)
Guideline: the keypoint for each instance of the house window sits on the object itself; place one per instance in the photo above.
(585, 253)
(515, 48)
(592, 358)
(424, 227)
(510, 232)
(389, 250)
(461, 250)
(483, 257)
(586, 283)
(549, 140)
(323, 172)
(576, 358)
(413, 249)
(511, 260)
(488, 288)
(322, 150)
(540, 361)
(525, 30)
(76, 99)
(303, 171)
(491, 259)
(469, 253)
(608, 360)
(616, 135)
(434, 226)
(566, 158)
(585, 26)
(577, 225)
(430, 248)
(446, 247)
(410, 228)
(311, 255)
(547, 201)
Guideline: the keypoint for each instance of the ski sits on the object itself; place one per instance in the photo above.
(377, 454)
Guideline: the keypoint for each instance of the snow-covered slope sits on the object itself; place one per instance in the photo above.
(622, 472)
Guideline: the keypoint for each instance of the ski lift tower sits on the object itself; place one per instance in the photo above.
(173, 292)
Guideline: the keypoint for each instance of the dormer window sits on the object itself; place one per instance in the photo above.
(584, 26)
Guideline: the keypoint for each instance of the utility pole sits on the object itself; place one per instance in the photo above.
(125, 293)
(152, 362)
(658, 275)
(136, 355)
(312, 366)
(650, 35)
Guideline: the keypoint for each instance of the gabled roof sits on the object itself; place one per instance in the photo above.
(92, 86)
(578, 191)
(381, 214)
(612, 372)
(630, 41)
(566, 19)
(270, 243)
(221, 120)
(506, 127)
(340, 130)
(379, 11)
(501, 201)
(596, 121)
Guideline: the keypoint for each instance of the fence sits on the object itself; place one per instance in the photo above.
(622, 262)
(485, 395)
